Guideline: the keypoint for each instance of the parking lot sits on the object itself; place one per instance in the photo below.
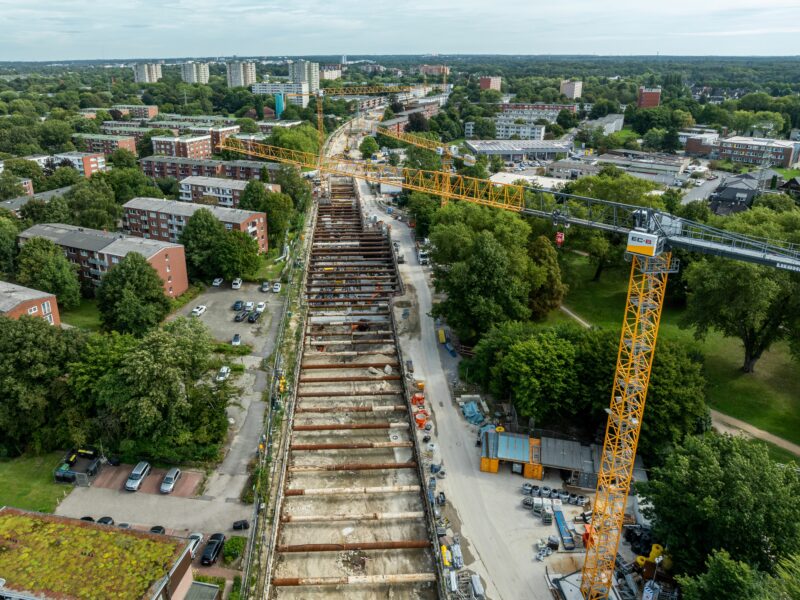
(114, 478)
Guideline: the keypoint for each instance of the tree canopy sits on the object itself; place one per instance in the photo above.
(41, 265)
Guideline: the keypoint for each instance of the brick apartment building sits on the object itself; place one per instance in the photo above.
(105, 144)
(27, 185)
(648, 97)
(137, 111)
(218, 133)
(95, 252)
(129, 130)
(164, 220)
(203, 119)
(434, 70)
(186, 146)
(86, 163)
(490, 83)
(757, 151)
(17, 301)
(181, 168)
(226, 191)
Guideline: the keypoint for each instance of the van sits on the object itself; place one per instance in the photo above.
(140, 471)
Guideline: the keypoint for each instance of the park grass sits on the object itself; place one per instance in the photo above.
(27, 482)
(84, 316)
(788, 173)
(768, 399)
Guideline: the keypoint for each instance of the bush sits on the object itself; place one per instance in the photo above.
(228, 350)
(236, 590)
(237, 368)
(234, 548)
(218, 581)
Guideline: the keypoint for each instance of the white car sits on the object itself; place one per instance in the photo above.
(236, 283)
(217, 282)
(199, 310)
(261, 306)
(195, 540)
(224, 373)
(249, 305)
(276, 287)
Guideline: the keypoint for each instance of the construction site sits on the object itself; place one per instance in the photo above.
(353, 521)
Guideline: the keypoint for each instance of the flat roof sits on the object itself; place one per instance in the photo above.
(95, 240)
(17, 203)
(211, 162)
(12, 295)
(514, 447)
(567, 454)
(753, 141)
(181, 138)
(77, 154)
(102, 136)
(187, 209)
(147, 248)
(233, 184)
(202, 591)
(56, 557)
(517, 146)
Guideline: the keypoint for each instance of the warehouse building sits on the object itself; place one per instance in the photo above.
(517, 150)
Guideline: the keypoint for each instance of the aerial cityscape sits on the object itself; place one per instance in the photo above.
(454, 301)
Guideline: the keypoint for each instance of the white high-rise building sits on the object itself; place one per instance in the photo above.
(194, 72)
(269, 88)
(572, 89)
(303, 71)
(241, 74)
(146, 72)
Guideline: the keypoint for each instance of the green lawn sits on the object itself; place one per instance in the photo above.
(788, 173)
(768, 398)
(27, 482)
(85, 316)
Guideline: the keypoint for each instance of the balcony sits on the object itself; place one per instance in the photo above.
(97, 262)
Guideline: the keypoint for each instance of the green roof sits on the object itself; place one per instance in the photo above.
(64, 558)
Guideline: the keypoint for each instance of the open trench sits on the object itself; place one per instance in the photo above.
(353, 520)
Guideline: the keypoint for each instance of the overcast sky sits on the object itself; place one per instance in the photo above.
(81, 29)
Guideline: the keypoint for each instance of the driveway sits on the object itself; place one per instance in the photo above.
(701, 192)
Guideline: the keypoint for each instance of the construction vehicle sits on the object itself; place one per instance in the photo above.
(651, 236)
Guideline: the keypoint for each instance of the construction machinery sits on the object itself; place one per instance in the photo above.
(651, 236)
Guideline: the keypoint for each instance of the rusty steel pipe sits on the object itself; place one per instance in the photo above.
(356, 409)
(402, 545)
(355, 580)
(351, 446)
(343, 426)
(401, 516)
(374, 365)
(389, 489)
(353, 467)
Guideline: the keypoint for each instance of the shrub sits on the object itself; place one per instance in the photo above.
(234, 548)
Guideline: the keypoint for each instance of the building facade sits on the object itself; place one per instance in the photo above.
(146, 72)
(490, 83)
(330, 72)
(241, 74)
(226, 191)
(181, 168)
(194, 72)
(303, 71)
(535, 111)
(271, 88)
(648, 97)
(571, 89)
(506, 128)
(186, 146)
(130, 130)
(758, 151)
(86, 163)
(153, 218)
(218, 133)
(105, 144)
(137, 111)
(435, 70)
(27, 185)
(17, 301)
(516, 150)
(95, 252)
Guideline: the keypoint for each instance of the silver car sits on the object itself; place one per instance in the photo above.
(140, 471)
(195, 540)
(170, 479)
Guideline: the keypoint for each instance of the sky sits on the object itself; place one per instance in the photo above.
(53, 30)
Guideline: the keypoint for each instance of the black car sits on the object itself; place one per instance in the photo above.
(89, 519)
(238, 305)
(254, 316)
(241, 316)
(158, 529)
(213, 549)
(105, 521)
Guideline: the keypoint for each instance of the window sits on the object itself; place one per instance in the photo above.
(46, 307)
(168, 269)
(169, 278)
(84, 253)
(170, 289)
(33, 310)
(114, 260)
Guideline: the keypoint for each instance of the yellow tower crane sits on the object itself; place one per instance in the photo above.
(651, 236)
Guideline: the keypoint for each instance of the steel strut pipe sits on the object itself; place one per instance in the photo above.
(353, 467)
(388, 545)
(344, 426)
(354, 580)
(353, 409)
(389, 489)
(351, 446)
(374, 365)
(388, 516)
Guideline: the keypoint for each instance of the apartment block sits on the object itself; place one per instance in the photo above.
(490, 83)
(137, 133)
(533, 112)
(648, 97)
(571, 89)
(330, 72)
(225, 191)
(27, 185)
(271, 88)
(506, 128)
(267, 126)
(218, 133)
(214, 119)
(105, 144)
(137, 111)
(303, 71)
(17, 301)
(86, 163)
(435, 70)
(15, 205)
(146, 72)
(186, 146)
(181, 168)
(95, 252)
(153, 218)
(241, 74)
(758, 151)
(194, 72)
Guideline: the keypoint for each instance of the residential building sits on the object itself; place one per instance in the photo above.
(86, 163)
(648, 97)
(130, 130)
(15, 204)
(177, 126)
(146, 72)
(212, 119)
(571, 89)
(137, 111)
(697, 130)
(267, 126)
(490, 83)
(758, 151)
(660, 168)
(736, 193)
(164, 220)
(17, 301)
(330, 72)
(303, 71)
(241, 74)
(95, 252)
(371, 68)
(127, 563)
(609, 124)
(435, 70)
(506, 128)
(27, 185)
(792, 187)
(186, 146)
(104, 143)
(39, 159)
(516, 150)
(295, 93)
(218, 133)
(535, 111)
(571, 169)
(226, 191)
(194, 72)
(181, 168)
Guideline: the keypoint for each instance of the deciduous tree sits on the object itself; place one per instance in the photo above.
(42, 265)
(200, 238)
(368, 147)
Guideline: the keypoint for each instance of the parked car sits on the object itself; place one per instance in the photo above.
(261, 307)
(140, 471)
(265, 286)
(124, 525)
(237, 340)
(158, 529)
(249, 305)
(195, 539)
(199, 310)
(236, 283)
(213, 549)
(170, 479)
(217, 282)
(105, 521)
(254, 316)
(276, 287)
(88, 519)
(238, 305)
(223, 373)
(241, 525)
(241, 316)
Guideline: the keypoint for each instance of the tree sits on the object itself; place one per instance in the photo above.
(253, 196)
(279, 209)
(547, 291)
(237, 255)
(247, 125)
(55, 211)
(422, 208)
(567, 119)
(417, 122)
(8, 246)
(55, 136)
(292, 183)
(131, 296)
(200, 238)
(368, 147)
(10, 187)
(144, 147)
(42, 265)
(128, 183)
(786, 583)
(700, 495)
(92, 205)
(123, 159)
(26, 169)
(739, 581)
(63, 176)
